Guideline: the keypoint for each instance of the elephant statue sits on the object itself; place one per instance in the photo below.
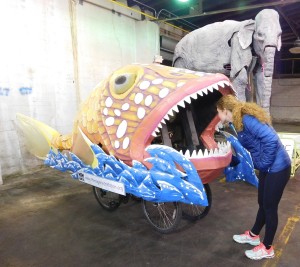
(236, 49)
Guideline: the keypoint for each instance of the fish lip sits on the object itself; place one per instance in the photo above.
(142, 137)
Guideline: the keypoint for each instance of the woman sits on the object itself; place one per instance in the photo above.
(253, 126)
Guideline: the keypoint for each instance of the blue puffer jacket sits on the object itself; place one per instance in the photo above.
(264, 145)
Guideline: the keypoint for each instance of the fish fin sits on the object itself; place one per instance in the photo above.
(82, 149)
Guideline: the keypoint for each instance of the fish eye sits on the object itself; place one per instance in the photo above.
(124, 82)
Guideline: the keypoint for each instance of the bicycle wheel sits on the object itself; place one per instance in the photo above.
(196, 212)
(163, 216)
(108, 200)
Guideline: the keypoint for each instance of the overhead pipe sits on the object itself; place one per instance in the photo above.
(191, 25)
(146, 6)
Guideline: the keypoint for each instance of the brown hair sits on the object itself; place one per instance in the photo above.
(239, 109)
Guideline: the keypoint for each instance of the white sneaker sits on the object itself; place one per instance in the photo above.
(260, 252)
(246, 238)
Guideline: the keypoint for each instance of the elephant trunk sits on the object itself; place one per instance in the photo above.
(263, 78)
(268, 64)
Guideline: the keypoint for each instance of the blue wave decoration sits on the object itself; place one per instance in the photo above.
(162, 183)
(241, 167)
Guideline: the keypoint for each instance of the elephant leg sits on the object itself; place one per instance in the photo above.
(239, 83)
(179, 63)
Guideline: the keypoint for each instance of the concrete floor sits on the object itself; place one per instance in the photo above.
(48, 219)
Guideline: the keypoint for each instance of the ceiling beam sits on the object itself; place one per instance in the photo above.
(277, 3)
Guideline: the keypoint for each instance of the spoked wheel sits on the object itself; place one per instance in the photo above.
(108, 200)
(196, 212)
(163, 216)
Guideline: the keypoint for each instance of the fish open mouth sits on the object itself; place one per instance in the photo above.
(189, 125)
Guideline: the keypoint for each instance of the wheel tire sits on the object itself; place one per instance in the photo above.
(196, 212)
(108, 200)
(163, 216)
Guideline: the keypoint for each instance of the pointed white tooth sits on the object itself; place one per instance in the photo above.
(187, 154)
(194, 154)
(221, 83)
(205, 154)
(216, 152)
(156, 130)
(219, 125)
(163, 121)
(171, 112)
(166, 117)
(159, 125)
(211, 153)
(210, 88)
(215, 86)
(181, 103)
(200, 93)
(204, 91)
(194, 96)
(181, 152)
(154, 134)
(226, 82)
(200, 154)
(175, 108)
(188, 99)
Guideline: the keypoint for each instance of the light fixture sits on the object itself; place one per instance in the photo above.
(183, 1)
(296, 48)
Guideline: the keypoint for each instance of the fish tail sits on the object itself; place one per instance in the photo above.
(39, 137)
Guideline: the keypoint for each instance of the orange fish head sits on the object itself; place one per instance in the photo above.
(143, 104)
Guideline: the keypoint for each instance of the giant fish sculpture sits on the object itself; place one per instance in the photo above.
(128, 112)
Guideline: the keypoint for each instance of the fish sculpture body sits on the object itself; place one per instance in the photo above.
(126, 113)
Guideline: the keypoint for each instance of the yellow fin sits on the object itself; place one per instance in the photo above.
(82, 149)
(38, 135)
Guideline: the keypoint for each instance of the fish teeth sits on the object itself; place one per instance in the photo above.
(204, 91)
(188, 99)
(175, 109)
(166, 117)
(187, 154)
(170, 113)
(223, 149)
(210, 88)
(215, 86)
(200, 93)
(222, 84)
(181, 103)
(154, 134)
(200, 154)
(194, 96)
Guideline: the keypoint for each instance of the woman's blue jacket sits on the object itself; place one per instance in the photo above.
(267, 152)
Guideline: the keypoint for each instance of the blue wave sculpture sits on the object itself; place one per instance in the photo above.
(162, 183)
(242, 167)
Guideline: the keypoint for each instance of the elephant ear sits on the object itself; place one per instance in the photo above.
(245, 33)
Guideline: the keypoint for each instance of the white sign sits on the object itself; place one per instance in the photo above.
(109, 185)
(289, 146)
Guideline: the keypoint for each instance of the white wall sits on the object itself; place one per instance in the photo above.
(52, 55)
